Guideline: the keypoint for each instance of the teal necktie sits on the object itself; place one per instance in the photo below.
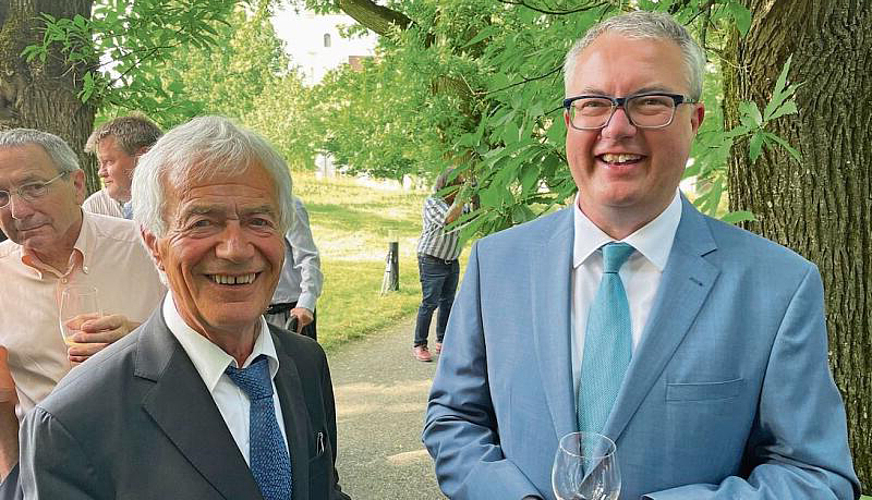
(608, 343)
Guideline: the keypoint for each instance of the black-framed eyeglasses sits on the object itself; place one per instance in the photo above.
(654, 110)
(29, 192)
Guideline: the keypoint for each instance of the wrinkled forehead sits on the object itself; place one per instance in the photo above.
(250, 185)
(26, 163)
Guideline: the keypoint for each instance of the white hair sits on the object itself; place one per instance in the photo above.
(642, 24)
(58, 150)
(198, 150)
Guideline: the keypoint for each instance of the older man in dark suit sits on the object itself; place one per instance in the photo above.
(186, 406)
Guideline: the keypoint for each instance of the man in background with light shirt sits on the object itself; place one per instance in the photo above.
(700, 349)
(205, 400)
(118, 145)
(301, 280)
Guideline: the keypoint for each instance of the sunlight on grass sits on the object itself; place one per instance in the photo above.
(352, 225)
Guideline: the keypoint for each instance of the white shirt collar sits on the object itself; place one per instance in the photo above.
(653, 240)
(209, 359)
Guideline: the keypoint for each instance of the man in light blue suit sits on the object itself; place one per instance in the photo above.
(726, 393)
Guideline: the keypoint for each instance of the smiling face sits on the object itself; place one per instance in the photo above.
(627, 175)
(222, 253)
(47, 226)
(116, 169)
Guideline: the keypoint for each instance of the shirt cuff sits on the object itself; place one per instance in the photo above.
(307, 300)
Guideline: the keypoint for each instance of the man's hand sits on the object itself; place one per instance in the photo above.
(304, 317)
(95, 334)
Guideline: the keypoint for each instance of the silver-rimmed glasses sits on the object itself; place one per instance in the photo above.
(592, 112)
(28, 192)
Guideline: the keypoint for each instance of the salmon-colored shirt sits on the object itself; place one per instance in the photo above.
(107, 255)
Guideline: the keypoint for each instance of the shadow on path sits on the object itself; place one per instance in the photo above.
(381, 394)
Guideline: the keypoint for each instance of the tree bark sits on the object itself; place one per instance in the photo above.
(375, 17)
(42, 95)
(821, 207)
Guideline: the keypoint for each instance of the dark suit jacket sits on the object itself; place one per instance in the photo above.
(137, 422)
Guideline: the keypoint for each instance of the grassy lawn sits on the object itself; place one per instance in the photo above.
(352, 225)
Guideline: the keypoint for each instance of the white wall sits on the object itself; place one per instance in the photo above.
(303, 34)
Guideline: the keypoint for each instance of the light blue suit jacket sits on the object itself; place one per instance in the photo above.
(728, 394)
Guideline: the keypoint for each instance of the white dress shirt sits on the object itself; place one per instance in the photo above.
(211, 361)
(640, 274)
(301, 280)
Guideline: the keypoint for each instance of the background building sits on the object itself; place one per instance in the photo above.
(315, 45)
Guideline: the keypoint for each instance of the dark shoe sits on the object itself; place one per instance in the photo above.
(437, 348)
(422, 354)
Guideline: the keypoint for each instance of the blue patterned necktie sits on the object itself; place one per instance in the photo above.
(608, 343)
(268, 458)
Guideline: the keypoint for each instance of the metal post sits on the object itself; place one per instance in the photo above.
(391, 280)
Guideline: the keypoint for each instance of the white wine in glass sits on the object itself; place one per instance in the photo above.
(78, 304)
(586, 468)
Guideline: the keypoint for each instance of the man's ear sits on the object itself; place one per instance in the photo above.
(78, 177)
(697, 117)
(153, 246)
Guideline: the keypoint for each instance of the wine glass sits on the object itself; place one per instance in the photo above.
(586, 468)
(78, 304)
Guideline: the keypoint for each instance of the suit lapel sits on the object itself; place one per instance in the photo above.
(296, 418)
(185, 411)
(686, 282)
(550, 282)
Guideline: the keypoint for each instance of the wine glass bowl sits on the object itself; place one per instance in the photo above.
(78, 304)
(586, 468)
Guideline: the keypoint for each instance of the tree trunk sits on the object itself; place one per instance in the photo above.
(42, 95)
(821, 207)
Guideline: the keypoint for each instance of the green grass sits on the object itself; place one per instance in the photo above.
(352, 225)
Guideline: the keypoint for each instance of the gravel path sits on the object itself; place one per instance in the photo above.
(381, 394)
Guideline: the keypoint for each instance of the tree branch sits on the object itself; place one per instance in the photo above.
(375, 17)
(523, 3)
(522, 82)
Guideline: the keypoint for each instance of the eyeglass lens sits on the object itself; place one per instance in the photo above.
(29, 192)
(643, 111)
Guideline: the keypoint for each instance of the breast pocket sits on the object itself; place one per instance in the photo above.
(706, 425)
(703, 391)
(320, 466)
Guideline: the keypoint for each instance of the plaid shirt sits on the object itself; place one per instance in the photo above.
(435, 240)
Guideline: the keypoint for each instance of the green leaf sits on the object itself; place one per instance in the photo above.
(788, 108)
(522, 213)
(784, 144)
(741, 15)
(756, 146)
(480, 36)
(529, 178)
(510, 133)
(781, 93)
(739, 216)
(750, 114)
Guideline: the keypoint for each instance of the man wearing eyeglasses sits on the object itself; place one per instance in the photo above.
(53, 245)
(698, 348)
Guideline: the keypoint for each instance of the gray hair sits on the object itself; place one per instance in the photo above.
(642, 24)
(198, 150)
(58, 150)
(131, 134)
